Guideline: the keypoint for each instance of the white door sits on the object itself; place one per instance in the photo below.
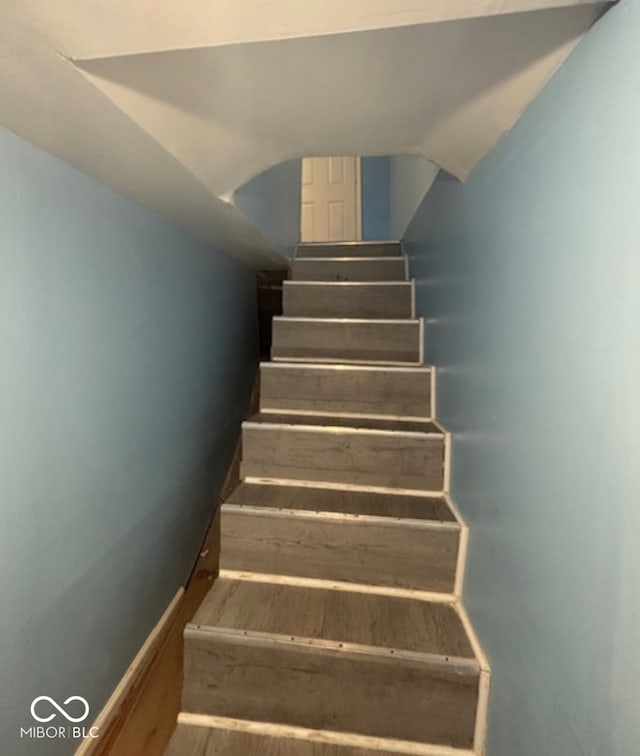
(330, 199)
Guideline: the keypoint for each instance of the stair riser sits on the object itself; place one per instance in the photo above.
(210, 741)
(401, 460)
(344, 300)
(292, 684)
(345, 550)
(383, 341)
(375, 391)
(359, 249)
(382, 269)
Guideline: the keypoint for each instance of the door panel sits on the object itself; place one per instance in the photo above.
(330, 199)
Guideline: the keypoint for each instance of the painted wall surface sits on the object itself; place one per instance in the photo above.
(375, 197)
(410, 178)
(127, 351)
(271, 202)
(529, 277)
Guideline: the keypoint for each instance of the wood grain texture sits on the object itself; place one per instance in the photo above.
(360, 389)
(335, 340)
(365, 618)
(340, 421)
(363, 458)
(349, 269)
(207, 741)
(291, 683)
(351, 551)
(347, 300)
(343, 501)
(352, 249)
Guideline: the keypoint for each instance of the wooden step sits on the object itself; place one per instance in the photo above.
(348, 299)
(332, 659)
(349, 269)
(336, 340)
(362, 422)
(347, 617)
(347, 501)
(360, 389)
(206, 735)
(350, 249)
(416, 553)
(364, 453)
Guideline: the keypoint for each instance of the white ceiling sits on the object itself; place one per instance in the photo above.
(178, 104)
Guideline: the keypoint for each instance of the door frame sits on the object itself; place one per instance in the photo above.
(358, 198)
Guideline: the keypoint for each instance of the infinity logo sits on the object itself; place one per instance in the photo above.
(59, 709)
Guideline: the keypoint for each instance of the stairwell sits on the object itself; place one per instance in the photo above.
(336, 626)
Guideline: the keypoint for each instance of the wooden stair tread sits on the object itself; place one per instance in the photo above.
(365, 423)
(335, 627)
(224, 741)
(343, 501)
(296, 683)
(353, 617)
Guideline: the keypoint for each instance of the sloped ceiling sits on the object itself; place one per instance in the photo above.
(178, 104)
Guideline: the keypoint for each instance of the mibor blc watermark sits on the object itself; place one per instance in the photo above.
(51, 715)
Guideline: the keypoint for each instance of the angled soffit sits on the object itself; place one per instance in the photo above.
(177, 105)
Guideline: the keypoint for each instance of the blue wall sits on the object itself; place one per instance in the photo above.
(128, 351)
(375, 177)
(271, 202)
(529, 277)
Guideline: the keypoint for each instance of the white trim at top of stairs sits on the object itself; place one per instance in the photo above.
(360, 258)
(347, 415)
(346, 283)
(246, 510)
(355, 243)
(343, 429)
(432, 597)
(329, 737)
(338, 366)
(351, 321)
(436, 494)
(345, 361)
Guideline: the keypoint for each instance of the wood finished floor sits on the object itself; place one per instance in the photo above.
(342, 616)
(355, 249)
(342, 501)
(351, 550)
(356, 388)
(205, 741)
(366, 458)
(349, 269)
(337, 421)
(339, 690)
(282, 649)
(336, 340)
(345, 300)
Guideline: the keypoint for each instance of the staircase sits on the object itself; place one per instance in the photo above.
(336, 626)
